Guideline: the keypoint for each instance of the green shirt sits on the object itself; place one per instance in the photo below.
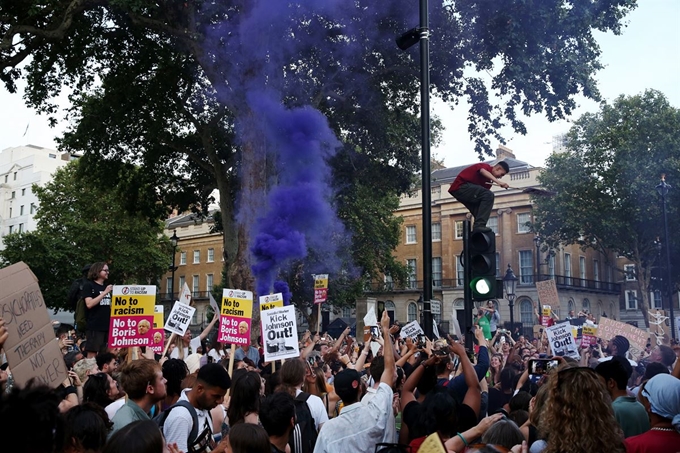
(128, 413)
(631, 415)
(483, 322)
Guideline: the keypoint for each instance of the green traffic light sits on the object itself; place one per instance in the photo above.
(482, 286)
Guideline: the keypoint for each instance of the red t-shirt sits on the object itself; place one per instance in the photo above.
(654, 442)
(472, 175)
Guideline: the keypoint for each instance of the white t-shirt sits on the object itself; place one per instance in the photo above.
(606, 359)
(317, 408)
(194, 344)
(216, 355)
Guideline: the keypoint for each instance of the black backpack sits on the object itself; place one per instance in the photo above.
(304, 435)
(160, 419)
(75, 292)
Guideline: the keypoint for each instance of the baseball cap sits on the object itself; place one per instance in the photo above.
(347, 379)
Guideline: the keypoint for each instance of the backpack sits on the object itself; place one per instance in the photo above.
(160, 419)
(77, 303)
(80, 316)
(303, 437)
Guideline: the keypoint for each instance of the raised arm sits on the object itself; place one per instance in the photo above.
(207, 330)
(309, 347)
(473, 396)
(390, 370)
(361, 360)
(341, 338)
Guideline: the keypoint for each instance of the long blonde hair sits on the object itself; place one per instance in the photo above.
(578, 415)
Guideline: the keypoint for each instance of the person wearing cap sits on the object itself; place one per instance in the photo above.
(618, 346)
(661, 398)
(359, 427)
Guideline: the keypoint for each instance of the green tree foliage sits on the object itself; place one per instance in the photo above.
(80, 222)
(167, 86)
(606, 184)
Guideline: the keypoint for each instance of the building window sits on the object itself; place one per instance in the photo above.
(21, 228)
(567, 268)
(631, 300)
(524, 222)
(32, 208)
(493, 224)
(655, 299)
(14, 194)
(437, 272)
(411, 234)
(586, 305)
(582, 269)
(412, 313)
(346, 312)
(182, 281)
(498, 265)
(570, 306)
(389, 283)
(526, 266)
(6, 178)
(460, 273)
(11, 229)
(183, 258)
(596, 273)
(458, 229)
(629, 270)
(21, 210)
(52, 156)
(436, 306)
(197, 256)
(211, 255)
(437, 231)
(195, 281)
(10, 212)
(209, 282)
(15, 176)
(526, 317)
(411, 280)
(23, 192)
(551, 266)
(436, 191)
(168, 286)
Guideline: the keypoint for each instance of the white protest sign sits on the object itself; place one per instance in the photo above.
(213, 304)
(279, 331)
(561, 340)
(411, 330)
(271, 301)
(179, 318)
(371, 319)
(185, 297)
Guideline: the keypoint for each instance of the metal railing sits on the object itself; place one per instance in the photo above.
(196, 295)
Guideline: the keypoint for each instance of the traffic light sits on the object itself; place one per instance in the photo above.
(482, 246)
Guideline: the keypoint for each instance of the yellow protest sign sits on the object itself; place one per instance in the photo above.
(132, 315)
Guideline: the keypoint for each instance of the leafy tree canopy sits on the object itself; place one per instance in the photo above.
(81, 222)
(606, 183)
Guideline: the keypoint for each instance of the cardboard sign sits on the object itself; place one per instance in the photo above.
(132, 316)
(158, 334)
(32, 349)
(185, 296)
(608, 329)
(432, 444)
(279, 333)
(320, 288)
(271, 301)
(411, 330)
(236, 316)
(561, 340)
(547, 293)
(179, 318)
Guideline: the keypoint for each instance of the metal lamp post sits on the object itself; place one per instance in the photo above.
(510, 283)
(662, 189)
(406, 40)
(174, 240)
(537, 241)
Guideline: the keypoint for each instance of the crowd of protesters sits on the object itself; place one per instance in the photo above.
(341, 395)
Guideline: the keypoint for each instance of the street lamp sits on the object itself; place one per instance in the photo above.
(510, 283)
(662, 189)
(173, 240)
(537, 241)
(406, 40)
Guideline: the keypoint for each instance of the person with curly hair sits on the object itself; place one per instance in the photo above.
(578, 416)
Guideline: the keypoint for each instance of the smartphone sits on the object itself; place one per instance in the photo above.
(375, 333)
(539, 367)
(422, 341)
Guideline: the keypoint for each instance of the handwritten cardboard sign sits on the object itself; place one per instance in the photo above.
(608, 329)
(547, 293)
(31, 347)
(236, 316)
(132, 316)
(320, 288)
(271, 301)
(561, 340)
(279, 331)
(411, 330)
(179, 318)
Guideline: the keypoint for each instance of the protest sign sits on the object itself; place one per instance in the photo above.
(235, 316)
(547, 293)
(185, 296)
(545, 315)
(411, 330)
(432, 444)
(320, 288)
(279, 333)
(132, 315)
(589, 336)
(608, 329)
(179, 318)
(213, 304)
(31, 347)
(271, 301)
(157, 332)
(561, 340)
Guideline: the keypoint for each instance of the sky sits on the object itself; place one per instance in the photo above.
(645, 56)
